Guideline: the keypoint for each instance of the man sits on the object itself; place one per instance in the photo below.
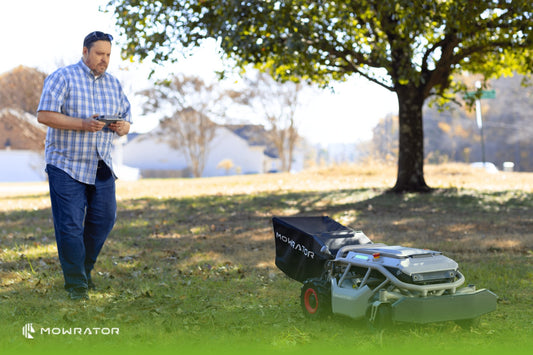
(78, 157)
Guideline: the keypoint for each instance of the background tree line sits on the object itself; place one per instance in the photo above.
(191, 109)
(453, 134)
(21, 89)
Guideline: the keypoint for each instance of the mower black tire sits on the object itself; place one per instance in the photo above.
(315, 298)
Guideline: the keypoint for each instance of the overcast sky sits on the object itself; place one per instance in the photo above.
(46, 34)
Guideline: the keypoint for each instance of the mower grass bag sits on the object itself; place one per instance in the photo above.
(304, 244)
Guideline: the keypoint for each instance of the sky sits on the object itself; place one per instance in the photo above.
(47, 34)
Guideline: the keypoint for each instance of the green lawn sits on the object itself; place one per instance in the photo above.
(189, 267)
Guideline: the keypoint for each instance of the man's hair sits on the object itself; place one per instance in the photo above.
(96, 36)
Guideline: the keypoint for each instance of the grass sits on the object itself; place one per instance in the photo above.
(189, 266)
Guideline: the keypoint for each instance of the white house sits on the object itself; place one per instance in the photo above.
(243, 146)
(21, 166)
(123, 171)
(22, 149)
(155, 158)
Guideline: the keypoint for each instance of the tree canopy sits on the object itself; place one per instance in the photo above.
(412, 48)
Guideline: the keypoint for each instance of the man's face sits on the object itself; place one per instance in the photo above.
(97, 58)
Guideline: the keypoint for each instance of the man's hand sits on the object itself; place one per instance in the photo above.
(120, 127)
(92, 125)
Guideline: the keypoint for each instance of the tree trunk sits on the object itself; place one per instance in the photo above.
(411, 143)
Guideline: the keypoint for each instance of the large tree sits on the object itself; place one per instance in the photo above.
(412, 48)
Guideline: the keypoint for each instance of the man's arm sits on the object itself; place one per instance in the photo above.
(61, 121)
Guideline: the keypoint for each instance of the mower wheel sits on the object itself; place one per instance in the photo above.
(315, 298)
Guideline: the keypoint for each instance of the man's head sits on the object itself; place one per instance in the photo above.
(97, 51)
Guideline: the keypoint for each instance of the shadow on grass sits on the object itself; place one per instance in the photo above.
(237, 229)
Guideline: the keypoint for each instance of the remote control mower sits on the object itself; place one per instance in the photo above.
(344, 273)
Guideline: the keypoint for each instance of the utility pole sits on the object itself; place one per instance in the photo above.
(485, 94)
(479, 121)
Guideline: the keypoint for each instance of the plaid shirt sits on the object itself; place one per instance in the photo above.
(74, 91)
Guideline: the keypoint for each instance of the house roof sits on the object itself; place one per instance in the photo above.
(255, 135)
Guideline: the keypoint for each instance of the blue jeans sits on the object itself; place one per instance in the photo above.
(84, 216)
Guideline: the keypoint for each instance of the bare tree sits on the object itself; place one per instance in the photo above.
(277, 103)
(187, 103)
(193, 131)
